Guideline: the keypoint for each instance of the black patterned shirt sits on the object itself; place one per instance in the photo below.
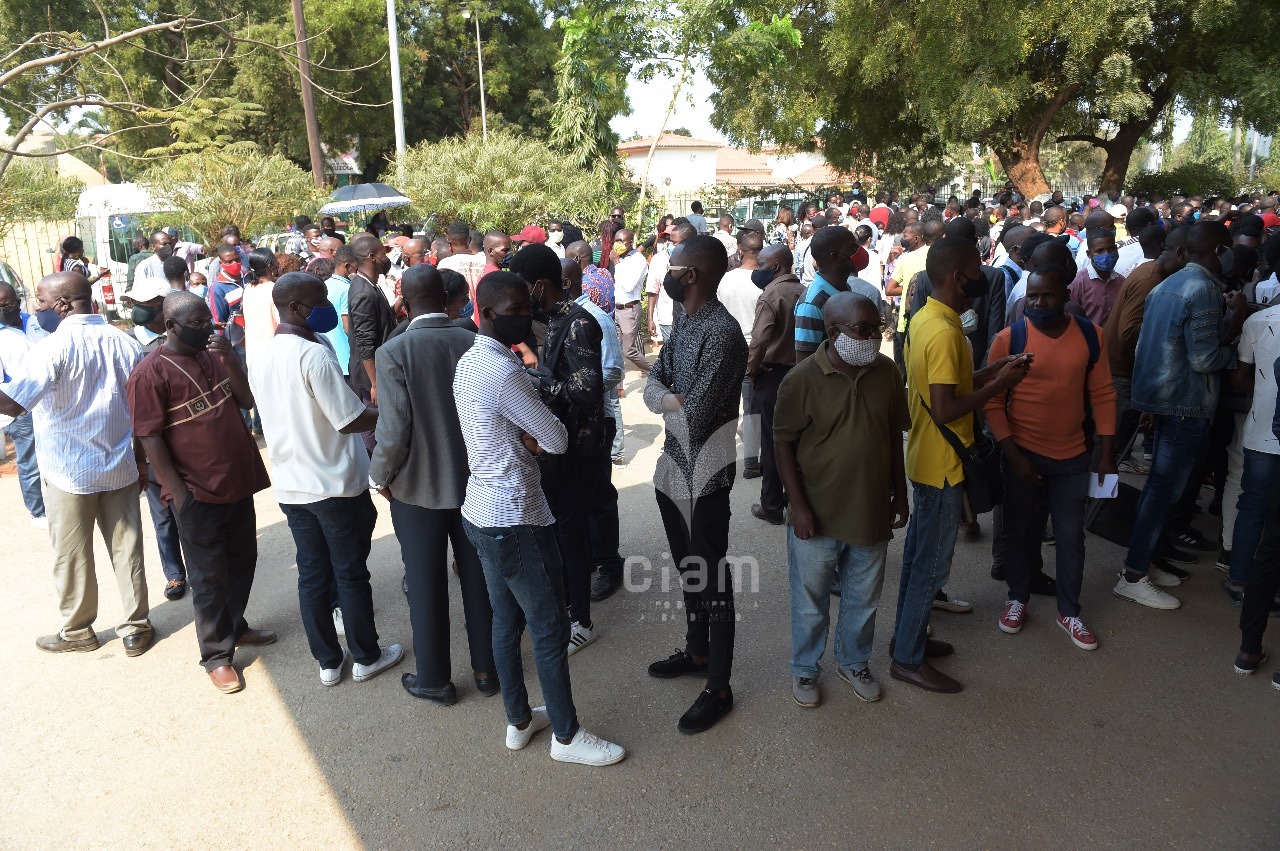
(704, 359)
(572, 354)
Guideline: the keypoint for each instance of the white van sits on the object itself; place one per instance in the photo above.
(108, 218)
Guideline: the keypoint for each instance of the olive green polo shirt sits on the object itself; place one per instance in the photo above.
(845, 429)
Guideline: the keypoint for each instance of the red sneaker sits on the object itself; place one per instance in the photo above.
(1080, 634)
(1014, 614)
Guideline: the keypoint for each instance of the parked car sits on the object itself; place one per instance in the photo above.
(26, 299)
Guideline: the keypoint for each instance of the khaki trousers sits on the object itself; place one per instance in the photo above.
(72, 517)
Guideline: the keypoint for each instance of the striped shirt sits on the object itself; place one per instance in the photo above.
(73, 382)
(496, 403)
(810, 327)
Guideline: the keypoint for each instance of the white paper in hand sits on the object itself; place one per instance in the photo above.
(1107, 490)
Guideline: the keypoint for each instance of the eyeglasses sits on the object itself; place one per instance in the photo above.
(673, 268)
(863, 329)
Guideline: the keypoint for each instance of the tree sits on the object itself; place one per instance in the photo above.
(33, 191)
(507, 183)
(210, 190)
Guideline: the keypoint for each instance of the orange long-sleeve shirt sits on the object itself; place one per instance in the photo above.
(1045, 412)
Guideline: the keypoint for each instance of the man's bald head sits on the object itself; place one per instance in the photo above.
(571, 272)
(848, 308)
(776, 257)
(933, 230)
(579, 251)
(185, 308)
(69, 289)
(423, 289)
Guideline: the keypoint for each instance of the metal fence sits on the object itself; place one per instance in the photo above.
(30, 248)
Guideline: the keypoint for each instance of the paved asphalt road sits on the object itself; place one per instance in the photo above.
(1152, 741)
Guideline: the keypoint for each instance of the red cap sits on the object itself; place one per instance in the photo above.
(532, 233)
(860, 259)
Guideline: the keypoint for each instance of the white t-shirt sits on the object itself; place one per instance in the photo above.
(739, 295)
(664, 313)
(1260, 345)
(260, 317)
(1267, 290)
(304, 401)
(728, 240)
(628, 278)
(1130, 258)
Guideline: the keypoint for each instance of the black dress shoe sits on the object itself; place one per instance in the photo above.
(404, 584)
(487, 684)
(678, 664)
(759, 512)
(174, 589)
(1043, 583)
(708, 709)
(139, 642)
(605, 586)
(752, 472)
(445, 695)
(57, 644)
(933, 649)
(997, 573)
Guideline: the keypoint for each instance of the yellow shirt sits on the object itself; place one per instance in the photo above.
(904, 269)
(936, 353)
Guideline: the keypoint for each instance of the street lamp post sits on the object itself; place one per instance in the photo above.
(397, 97)
(484, 118)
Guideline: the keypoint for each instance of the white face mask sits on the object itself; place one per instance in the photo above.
(856, 352)
(969, 321)
(555, 237)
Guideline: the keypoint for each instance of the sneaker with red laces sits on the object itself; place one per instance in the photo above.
(1014, 614)
(1080, 634)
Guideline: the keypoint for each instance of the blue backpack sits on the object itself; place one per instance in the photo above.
(1018, 344)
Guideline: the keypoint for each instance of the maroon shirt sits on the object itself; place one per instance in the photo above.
(188, 402)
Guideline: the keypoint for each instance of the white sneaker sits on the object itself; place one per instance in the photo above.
(40, 522)
(1161, 578)
(587, 749)
(338, 624)
(390, 657)
(1144, 593)
(579, 637)
(538, 720)
(332, 676)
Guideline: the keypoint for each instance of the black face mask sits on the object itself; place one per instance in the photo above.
(164, 252)
(974, 287)
(512, 330)
(195, 338)
(674, 287)
(9, 314)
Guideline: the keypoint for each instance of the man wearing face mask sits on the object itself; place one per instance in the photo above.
(1096, 286)
(320, 470)
(945, 392)
(73, 382)
(844, 502)
(555, 238)
(832, 250)
(370, 316)
(1041, 428)
(1185, 343)
(629, 270)
(18, 332)
(183, 400)
(153, 266)
(497, 252)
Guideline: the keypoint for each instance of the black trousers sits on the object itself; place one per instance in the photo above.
(1264, 580)
(764, 398)
(698, 535)
(602, 521)
(425, 535)
(569, 483)
(220, 546)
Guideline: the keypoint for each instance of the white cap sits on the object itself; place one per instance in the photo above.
(145, 289)
(1118, 211)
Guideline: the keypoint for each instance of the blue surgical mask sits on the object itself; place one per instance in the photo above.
(48, 319)
(1106, 263)
(323, 318)
(1043, 317)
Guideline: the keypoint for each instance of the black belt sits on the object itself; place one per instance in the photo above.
(628, 304)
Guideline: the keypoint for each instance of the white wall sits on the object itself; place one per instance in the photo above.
(688, 168)
(787, 166)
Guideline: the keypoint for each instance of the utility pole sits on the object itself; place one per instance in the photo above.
(308, 97)
(484, 117)
(397, 98)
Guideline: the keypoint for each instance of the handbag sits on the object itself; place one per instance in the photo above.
(983, 484)
(1113, 519)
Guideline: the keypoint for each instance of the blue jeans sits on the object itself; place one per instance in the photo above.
(1260, 471)
(526, 585)
(333, 537)
(926, 564)
(23, 435)
(167, 538)
(1177, 445)
(614, 409)
(812, 565)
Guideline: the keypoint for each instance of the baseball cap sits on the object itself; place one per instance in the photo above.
(1118, 211)
(531, 233)
(145, 289)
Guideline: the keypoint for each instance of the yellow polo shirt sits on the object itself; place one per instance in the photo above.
(936, 353)
(904, 269)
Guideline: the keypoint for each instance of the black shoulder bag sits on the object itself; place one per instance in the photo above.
(980, 462)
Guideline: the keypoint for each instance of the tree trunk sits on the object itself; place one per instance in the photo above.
(1021, 162)
(1120, 150)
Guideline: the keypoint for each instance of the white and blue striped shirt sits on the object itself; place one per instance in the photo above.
(496, 402)
(73, 383)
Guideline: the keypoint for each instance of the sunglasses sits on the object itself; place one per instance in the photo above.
(863, 329)
(673, 268)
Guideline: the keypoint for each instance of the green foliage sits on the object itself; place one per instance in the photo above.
(205, 124)
(211, 190)
(507, 183)
(33, 191)
(1205, 145)
(1190, 179)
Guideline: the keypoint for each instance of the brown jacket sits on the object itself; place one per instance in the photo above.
(773, 337)
(1121, 331)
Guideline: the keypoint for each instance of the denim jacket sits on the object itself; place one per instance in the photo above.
(1178, 367)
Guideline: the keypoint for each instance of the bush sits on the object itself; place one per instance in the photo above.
(505, 183)
(1189, 179)
(33, 191)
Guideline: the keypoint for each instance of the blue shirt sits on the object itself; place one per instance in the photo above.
(610, 345)
(810, 329)
(338, 287)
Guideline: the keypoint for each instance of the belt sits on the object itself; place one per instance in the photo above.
(628, 304)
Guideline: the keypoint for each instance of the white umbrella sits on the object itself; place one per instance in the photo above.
(363, 196)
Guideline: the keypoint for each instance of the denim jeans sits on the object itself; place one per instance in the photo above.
(168, 540)
(523, 571)
(1061, 492)
(750, 428)
(926, 564)
(664, 331)
(333, 537)
(1232, 487)
(614, 409)
(1260, 471)
(23, 435)
(1178, 441)
(812, 565)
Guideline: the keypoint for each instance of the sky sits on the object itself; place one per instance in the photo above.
(649, 103)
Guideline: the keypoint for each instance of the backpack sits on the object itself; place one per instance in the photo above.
(1018, 344)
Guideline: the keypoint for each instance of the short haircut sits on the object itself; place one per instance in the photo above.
(72, 244)
(749, 240)
(422, 283)
(827, 240)
(292, 285)
(321, 267)
(962, 228)
(180, 303)
(157, 233)
(1139, 220)
(535, 263)
(345, 253)
(685, 230)
(946, 256)
(707, 254)
(175, 269)
(1205, 237)
(1100, 236)
(1015, 234)
(1152, 240)
(696, 207)
(5, 286)
(1053, 270)
(496, 286)
(301, 222)
(227, 249)
(365, 246)
(458, 232)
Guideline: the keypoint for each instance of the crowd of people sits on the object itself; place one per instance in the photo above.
(472, 380)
